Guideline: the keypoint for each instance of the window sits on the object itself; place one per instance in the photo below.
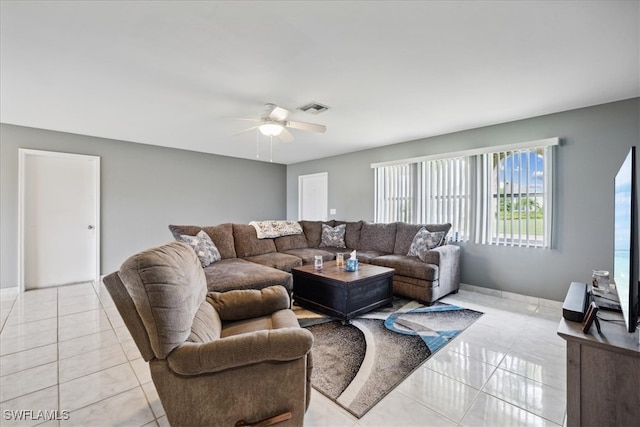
(500, 197)
(515, 197)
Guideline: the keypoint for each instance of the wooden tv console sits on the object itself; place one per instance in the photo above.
(603, 373)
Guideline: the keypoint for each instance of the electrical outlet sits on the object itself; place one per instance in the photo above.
(332, 211)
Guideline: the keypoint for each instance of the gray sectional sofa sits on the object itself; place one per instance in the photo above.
(251, 263)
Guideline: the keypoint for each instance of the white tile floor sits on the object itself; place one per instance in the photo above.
(67, 349)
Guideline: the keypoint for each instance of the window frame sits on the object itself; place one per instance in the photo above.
(493, 223)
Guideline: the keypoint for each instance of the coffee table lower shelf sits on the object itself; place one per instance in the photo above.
(340, 294)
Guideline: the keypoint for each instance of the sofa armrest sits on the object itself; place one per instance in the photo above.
(442, 254)
(448, 257)
(239, 350)
(249, 303)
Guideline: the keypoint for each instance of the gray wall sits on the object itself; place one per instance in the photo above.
(595, 141)
(143, 189)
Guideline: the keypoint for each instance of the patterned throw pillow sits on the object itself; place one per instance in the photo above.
(203, 246)
(423, 242)
(333, 237)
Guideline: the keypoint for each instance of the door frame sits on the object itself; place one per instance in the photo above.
(301, 179)
(23, 153)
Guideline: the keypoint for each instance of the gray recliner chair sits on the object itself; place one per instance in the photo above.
(217, 359)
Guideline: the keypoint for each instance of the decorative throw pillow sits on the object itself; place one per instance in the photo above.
(333, 237)
(203, 246)
(424, 241)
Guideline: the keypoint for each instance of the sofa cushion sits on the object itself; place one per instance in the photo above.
(247, 242)
(249, 303)
(377, 237)
(308, 255)
(423, 242)
(352, 233)
(295, 241)
(236, 273)
(167, 285)
(408, 266)
(366, 256)
(313, 231)
(221, 235)
(281, 261)
(404, 237)
(203, 246)
(333, 237)
(406, 232)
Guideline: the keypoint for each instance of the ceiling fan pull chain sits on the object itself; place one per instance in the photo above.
(271, 148)
(257, 144)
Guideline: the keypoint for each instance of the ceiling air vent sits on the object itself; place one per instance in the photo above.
(314, 108)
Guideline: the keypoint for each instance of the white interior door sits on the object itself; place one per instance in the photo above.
(59, 230)
(313, 196)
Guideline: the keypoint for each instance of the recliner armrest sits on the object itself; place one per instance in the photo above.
(249, 303)
(239, 350)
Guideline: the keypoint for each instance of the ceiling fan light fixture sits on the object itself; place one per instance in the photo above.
(271, 129)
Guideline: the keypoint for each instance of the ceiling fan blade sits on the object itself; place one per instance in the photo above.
(268, 108)
(276, 113)
(245, 130)
(313, 127)
(285, 136)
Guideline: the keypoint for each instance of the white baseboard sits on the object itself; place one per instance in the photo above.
(543, 302)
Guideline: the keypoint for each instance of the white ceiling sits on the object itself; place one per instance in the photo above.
(167, 73)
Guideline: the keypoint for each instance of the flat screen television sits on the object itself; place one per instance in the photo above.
(626, 255)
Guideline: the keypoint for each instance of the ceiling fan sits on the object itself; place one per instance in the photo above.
(273, 122)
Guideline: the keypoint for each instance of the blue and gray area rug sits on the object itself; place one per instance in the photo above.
(357, 365)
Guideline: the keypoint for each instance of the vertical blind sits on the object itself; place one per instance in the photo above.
(500, 197)
(431, 192)
(445, 184)
(395, 193)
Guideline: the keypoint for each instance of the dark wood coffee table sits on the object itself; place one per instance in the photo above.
(340, 293)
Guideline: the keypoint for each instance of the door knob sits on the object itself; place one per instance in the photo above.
(90, 227)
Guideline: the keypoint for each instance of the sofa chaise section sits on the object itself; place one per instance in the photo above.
(236, 273)
(429, 280)
(231, 272)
